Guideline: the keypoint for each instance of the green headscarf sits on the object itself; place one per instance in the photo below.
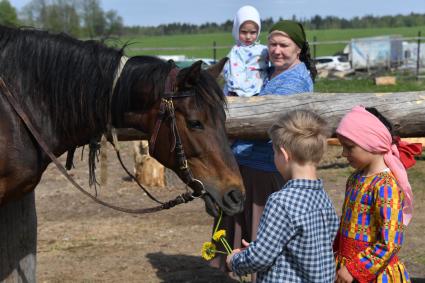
(293, 29)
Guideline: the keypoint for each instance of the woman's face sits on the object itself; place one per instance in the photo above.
(283, 51)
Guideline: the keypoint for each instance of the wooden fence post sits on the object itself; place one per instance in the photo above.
(147, 170)
(418, 59)
(215, 51)
(18, 241)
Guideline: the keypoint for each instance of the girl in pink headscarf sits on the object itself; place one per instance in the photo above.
(378, 199)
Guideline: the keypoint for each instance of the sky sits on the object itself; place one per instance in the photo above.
(155, 12)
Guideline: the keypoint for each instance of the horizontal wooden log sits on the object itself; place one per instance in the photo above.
(249, 118)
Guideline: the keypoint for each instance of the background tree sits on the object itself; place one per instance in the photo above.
(62, 16)
(34, 14)
(8, 16)
(93, 18)
(113, 23)
(86, 18)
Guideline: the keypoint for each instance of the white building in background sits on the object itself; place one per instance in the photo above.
(375, 52)
(384, 51)
(410, 54)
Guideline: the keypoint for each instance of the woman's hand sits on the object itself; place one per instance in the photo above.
(343, 276)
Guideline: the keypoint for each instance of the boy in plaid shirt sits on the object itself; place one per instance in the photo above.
(299, 223)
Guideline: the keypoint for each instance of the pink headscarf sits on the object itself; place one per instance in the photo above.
(367, 131)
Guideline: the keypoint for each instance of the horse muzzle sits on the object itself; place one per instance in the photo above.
(231, 203)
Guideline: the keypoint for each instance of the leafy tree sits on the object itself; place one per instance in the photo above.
(62, 17)
(8, 15)
(54, 15)
(93, 17)
(34, 13)
(113, 23)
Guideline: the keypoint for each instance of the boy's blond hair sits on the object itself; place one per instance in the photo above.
(303, 133)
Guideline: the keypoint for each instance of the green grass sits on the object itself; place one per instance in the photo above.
(204, 42)
(366, 85)
(416, 173)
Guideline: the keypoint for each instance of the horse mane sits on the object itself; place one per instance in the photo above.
(55, 73)
(152, 72)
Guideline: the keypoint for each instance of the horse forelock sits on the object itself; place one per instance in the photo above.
(150, 73)
(69, 79)
(209, 94)
(142, 75)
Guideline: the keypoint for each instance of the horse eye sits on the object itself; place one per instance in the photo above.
(194, 124)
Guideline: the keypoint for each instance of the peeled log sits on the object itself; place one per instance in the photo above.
(249, 118)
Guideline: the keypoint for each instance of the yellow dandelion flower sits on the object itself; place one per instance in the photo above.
(208, 250)
(219, 234)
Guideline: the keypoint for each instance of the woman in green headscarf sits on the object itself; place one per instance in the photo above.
(293, 69)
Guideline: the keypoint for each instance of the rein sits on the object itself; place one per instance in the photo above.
(197, 185)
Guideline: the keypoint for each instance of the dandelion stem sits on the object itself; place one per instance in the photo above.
(218, 222)
(226, 245)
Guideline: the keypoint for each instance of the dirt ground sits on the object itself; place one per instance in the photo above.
(81, 241)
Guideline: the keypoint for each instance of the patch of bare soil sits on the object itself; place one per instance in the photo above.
(81, 241)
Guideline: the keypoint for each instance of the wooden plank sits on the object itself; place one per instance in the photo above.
(386, 80)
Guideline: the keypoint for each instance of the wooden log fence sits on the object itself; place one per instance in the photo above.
(249, 118)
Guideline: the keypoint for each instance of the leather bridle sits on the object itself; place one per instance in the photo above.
(167, 113)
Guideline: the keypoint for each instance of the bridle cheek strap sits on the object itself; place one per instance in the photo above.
(166, 111)
(161, 115)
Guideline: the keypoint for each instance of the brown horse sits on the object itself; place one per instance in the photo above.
(73, 90)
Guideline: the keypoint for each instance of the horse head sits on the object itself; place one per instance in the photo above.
(187, 107)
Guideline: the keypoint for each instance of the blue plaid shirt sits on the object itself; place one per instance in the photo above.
(295, 237)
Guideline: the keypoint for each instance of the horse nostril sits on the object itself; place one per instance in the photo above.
(233, 197)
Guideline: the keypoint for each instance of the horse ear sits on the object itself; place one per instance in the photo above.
(192, 76)
(216, 69)
(172, 63)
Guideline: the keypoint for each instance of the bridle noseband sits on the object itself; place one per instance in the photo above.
(166, 112)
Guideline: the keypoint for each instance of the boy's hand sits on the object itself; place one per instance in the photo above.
(230, 257)
(245, 244)
(344, 276)
(235, 251)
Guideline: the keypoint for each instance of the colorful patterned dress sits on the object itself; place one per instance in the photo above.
(371, 229)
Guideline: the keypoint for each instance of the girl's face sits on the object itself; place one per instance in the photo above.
(248, 33)
(356, 156)
(283, 51)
